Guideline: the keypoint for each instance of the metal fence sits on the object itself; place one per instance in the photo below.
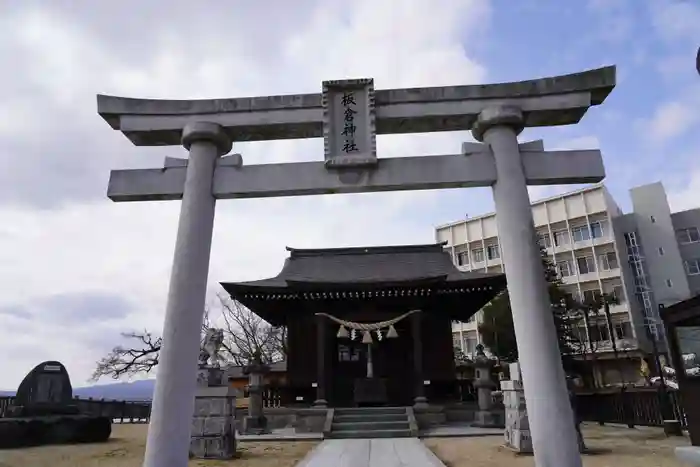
(628, 406)
(631, 406)
(118, 411)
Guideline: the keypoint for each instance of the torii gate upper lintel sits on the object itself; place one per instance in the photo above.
(349, 114)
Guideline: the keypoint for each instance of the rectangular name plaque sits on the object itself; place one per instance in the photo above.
(349, 123)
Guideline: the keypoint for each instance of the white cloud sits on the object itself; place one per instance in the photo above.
(676, 20)
(674, 117)
(686, 196)
(85, 244)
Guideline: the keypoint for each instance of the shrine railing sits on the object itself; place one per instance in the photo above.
(631, 406)
(118, 411)
(273, 397)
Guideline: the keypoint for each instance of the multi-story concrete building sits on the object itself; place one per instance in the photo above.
(648, 257)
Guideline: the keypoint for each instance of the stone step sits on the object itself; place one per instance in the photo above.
(370, 434)
(370, 418)
(370, 426)
(370, 410)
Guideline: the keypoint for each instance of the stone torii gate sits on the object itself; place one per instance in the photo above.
(348, 114)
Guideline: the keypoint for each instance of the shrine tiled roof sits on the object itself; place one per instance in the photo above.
(365, 265)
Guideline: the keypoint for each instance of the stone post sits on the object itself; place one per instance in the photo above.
(256, 422)
(551, 417)
(174, 394)
(484, 386)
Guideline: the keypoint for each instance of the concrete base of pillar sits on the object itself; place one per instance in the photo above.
(489, 419)
(673, 428)
(420, 402)
(689, 455)
(321, 403)
(255, 425)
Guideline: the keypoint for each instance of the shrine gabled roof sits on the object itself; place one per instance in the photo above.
(382, 265)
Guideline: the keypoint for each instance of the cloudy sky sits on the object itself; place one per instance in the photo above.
(76, 269)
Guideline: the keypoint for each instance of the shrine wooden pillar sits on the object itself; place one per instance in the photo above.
(419, 399)
(321, 360)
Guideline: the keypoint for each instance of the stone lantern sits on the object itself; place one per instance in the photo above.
(255, 422)
(484, 386)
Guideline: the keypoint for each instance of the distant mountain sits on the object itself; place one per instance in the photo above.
(132, 391)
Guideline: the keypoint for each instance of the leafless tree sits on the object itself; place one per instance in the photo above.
(244, 334)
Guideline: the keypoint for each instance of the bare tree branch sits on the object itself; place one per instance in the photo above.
(245, 333)
(123, 361)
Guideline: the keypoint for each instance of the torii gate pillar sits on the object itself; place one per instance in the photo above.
(184, 312)
(546, 394)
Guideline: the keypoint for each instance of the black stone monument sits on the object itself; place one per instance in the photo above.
(46, 390)
(44, 412)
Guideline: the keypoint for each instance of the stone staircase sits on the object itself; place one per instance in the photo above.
(373, 422)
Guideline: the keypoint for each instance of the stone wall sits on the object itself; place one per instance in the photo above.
(436, 415)
(303, 420)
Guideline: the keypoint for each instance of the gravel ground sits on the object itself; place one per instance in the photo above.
(611, 446)
(126, 447)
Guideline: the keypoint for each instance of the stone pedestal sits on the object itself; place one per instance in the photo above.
(213, 424)
(208, 376)
(517, 430)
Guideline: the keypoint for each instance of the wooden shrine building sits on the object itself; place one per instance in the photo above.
(333, 300)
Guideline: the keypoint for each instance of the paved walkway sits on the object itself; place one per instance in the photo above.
(387, 452)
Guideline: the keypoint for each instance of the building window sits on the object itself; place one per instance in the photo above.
(618, 294)
(456, 341)
(580, 234)
(623, 330)
(469, 345)
(669, 283)
(591, 296)
(653, 219)
(463, 258)
(545, 241)
(564, 268)
(661, 251)
(585, 264)
(608, 261)
(561, 238)
(689, 235)
(492, 252)
(596, 230)
(599, 332)
(478, 255)
(692, 267)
